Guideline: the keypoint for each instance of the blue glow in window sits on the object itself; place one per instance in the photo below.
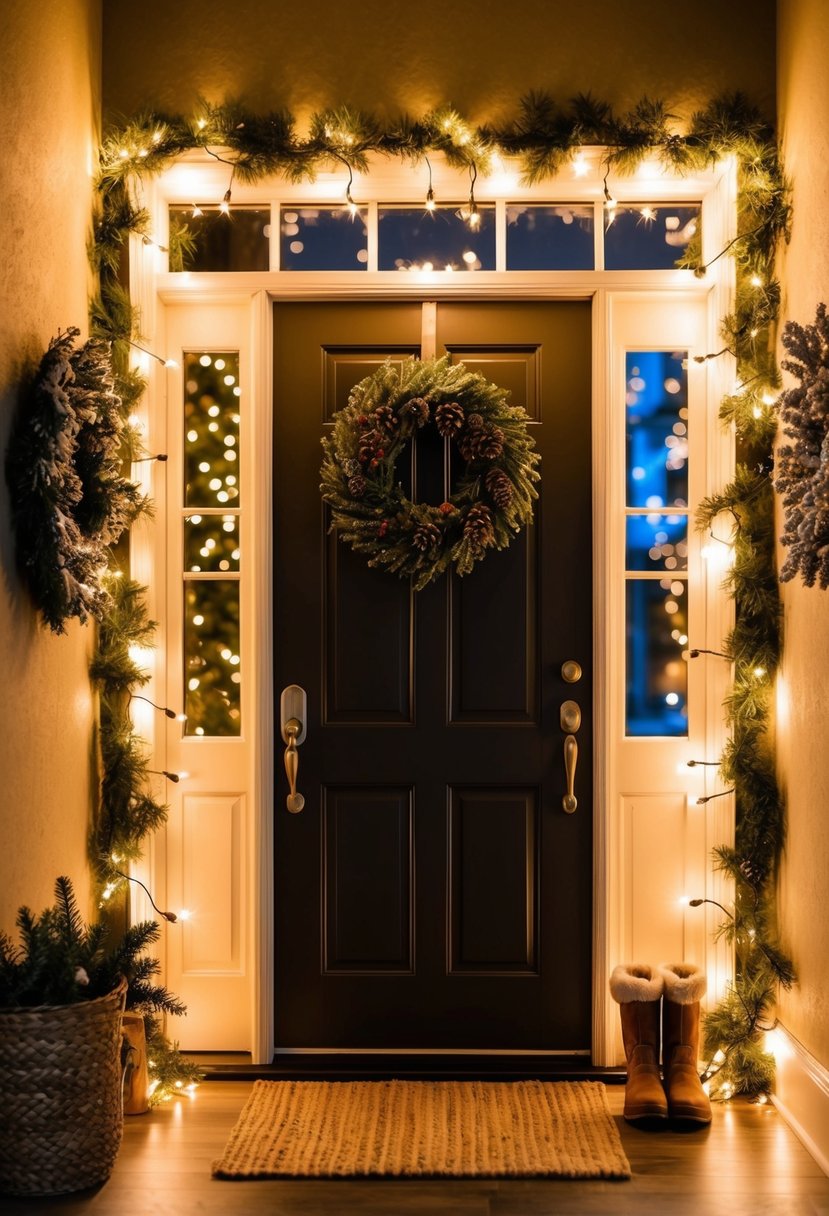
(657, 674)
(411, 238)
(657, 429)
(550, 238)
(322, 238)
(656, 542)
(649, 237)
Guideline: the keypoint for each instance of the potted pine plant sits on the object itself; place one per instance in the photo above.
(62, 995)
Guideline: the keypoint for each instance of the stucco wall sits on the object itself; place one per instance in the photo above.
(50, 101)
(803, 67)
(385, 55)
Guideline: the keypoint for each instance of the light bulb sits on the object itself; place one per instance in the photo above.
(430, 199)
(197, 211)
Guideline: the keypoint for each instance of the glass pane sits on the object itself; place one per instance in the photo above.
(549, 238)
(642, 236)
(657, 674)
(211, 429)
(322, 238)
(212, 240)
(656, 542)
(212, 679)
(411, 238)
(657, 428)
(211, 543)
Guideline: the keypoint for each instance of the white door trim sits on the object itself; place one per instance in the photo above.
(252, 296)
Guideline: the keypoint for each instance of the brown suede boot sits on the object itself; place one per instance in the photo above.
(684, 987)
(638, 990)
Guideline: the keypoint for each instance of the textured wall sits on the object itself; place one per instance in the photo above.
(388, 56)
(50, 101)
(803, 67)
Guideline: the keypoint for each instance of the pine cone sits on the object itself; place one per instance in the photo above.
(357, 485)
(475, 422)
(350, 467)
(478, 528)
(426, 537)
(449, 418)
(370, 443)
(418, 408)
(491, 444)
(386, 419)
(499, 487)
(486, 443)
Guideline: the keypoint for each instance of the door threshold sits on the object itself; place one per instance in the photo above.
(354, 1066)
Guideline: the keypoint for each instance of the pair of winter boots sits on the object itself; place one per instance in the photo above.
(661, 1001)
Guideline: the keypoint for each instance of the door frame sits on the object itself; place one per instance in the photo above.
(168, 301)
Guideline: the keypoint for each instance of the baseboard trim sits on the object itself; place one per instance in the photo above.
(802, 1095)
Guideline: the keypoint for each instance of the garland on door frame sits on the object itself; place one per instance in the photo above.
(545, 137)
(495, 492)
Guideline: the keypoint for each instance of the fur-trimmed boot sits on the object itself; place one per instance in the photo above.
(684, 989)
(638, 989)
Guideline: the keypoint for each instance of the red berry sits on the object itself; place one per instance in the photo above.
(446, 508)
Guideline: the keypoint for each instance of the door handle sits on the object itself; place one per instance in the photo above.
(571, 754)
(293, 711)
(570, 719)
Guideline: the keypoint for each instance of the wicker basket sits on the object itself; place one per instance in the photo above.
(60, 1095)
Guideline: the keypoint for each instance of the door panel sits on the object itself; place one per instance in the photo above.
(433, 894)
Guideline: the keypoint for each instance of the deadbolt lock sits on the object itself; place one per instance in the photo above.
(571, 671)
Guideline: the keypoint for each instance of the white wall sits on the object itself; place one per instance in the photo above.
(803, 755)
(50, 102)
(393, 56)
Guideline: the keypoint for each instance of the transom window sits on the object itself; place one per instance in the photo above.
(502, 236)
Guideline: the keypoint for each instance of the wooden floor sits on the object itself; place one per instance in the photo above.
(747, 1164)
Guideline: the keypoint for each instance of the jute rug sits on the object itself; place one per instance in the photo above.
(495, 1129)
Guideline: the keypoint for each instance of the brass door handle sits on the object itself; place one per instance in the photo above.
(571, 755)
(570, 720)
(292, 728)
(293, 712)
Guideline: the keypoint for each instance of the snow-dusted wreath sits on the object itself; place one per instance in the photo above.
(69, 500)
(802, 467)
(494, 490)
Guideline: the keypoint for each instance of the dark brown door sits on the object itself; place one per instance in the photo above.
(433, 893)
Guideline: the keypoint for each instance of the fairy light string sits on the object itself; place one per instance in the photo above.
(546, 138)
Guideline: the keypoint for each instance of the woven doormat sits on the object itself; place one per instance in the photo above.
(466, 1129)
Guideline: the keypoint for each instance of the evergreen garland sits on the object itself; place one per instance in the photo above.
(544, 136)
(802, 477)
(494, 495)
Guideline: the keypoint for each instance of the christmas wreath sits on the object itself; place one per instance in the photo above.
(69, 501)
(802, 477)
(493, 494)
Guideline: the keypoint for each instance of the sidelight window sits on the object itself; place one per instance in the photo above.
(211, 546)
(656, 543)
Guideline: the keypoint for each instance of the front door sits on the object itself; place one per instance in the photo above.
(433, 893)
